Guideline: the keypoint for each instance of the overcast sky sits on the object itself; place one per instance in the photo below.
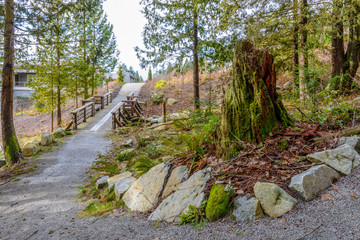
(128, 24)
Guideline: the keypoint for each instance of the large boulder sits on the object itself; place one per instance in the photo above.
(177, 176)
(274, 200)
(171, 101)
(144, 194)
(219, 202)
(352, 141)
(102, 182)
(342, 159)
(46, 139)
(310, 183)
(30, 149)
(112, 180)
(247, 209)
(60, 132)
(191, 192)
(123, 185)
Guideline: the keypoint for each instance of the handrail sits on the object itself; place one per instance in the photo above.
(81, 114)
(125, 111)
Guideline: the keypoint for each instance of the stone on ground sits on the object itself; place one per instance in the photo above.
(144, 194)
(177, 176)
(191, 192)
(102, 182)
(2, 162)
(310, 183)
(219, 203)
(274, 200)
(30, 149)
(46, 139)
(128, 143)
(123, 185)
(247, 209)
(112, 180)
(342, 159)
(352, 141)
(171, 101)
(60, 132)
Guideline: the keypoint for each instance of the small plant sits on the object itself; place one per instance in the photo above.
(194, 215)
(160, 84)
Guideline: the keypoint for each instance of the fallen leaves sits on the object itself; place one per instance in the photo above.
(354, 195)
(326, 196)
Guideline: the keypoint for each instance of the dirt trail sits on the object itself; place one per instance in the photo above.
(44, 206)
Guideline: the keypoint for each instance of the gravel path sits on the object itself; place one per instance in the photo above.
(44, 206)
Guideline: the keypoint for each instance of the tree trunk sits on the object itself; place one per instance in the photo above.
(251, 107)
(352, 56)
(196, 58)
(295, 57)
(337, 53)
(12, 150)
(58, 76)
(303, 57)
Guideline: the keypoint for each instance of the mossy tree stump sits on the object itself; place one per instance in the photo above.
(251, 107)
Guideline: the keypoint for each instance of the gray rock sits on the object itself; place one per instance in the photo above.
(60, 132)
(178, 175)
(128, 143)
(114, 179)
(123, 185)
(2, 162)
(352, 141)
(171, 101)
(191, 192)
(144, 194)
(287, 85)
(30, 149)
(342, 159)
(102, 182)
(46, 139)
(156, 120)
(274, 200)
(313, 181)
(247, 209)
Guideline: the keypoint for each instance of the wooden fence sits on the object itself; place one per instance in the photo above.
(126, 110)
(89, 108)
(81, 114)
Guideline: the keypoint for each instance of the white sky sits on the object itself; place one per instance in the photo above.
(128, 24)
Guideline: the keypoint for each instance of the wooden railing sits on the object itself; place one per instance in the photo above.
(89, 108)
(125, 111)
(81, 114)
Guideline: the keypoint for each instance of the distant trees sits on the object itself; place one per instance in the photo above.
(121, 76)
(149, 74)
(176, 30)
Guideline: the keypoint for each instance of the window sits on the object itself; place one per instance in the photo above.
(21, 79)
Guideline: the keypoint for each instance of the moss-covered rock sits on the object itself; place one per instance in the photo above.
(219, 203)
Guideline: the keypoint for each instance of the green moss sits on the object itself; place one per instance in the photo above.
(282, 145)
(219, 203)
(12, 151)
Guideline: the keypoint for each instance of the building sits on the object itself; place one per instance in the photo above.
(21, 78)
(128, 78)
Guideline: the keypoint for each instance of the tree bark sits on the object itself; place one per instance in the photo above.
(251, 107)
(337, 53)
(196, 58)
(12, 150)
(58, 75)
(295, 57)
(352, 56)
(303, 56)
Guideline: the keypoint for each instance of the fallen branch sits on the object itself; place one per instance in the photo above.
(313, 121)
(305, 235)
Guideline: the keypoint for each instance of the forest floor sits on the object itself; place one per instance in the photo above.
(43, 205)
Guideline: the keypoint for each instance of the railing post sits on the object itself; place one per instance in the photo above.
(75, 121)
(84, 114)
(102, 102)
(93, 109)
